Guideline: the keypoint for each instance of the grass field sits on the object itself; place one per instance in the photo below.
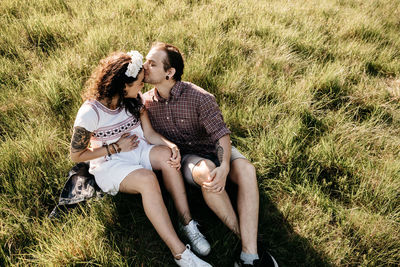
(310, 90)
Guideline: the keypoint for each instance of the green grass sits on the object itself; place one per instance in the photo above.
(310, 90)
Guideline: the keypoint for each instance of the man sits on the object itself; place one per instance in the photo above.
(189, 116)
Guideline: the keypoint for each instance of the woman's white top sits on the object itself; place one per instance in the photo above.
(107, 127)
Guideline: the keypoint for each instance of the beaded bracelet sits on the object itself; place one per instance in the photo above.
(108, 150)
(118, 148)
(113, 147)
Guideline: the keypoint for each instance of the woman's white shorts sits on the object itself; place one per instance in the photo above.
(109, 174)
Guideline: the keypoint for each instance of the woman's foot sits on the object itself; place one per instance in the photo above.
(188, 259)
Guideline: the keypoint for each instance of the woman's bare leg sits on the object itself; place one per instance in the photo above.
(144, 182)
(173, 181)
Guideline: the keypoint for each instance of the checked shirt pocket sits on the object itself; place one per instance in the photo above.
(185, 124)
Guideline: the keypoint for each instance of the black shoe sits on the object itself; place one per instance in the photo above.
(266, 260)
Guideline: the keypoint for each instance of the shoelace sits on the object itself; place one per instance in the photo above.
(196, 234)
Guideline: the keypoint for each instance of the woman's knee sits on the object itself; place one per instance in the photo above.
(142, 181)
(201, 172)
(159, 156)
(150, 183)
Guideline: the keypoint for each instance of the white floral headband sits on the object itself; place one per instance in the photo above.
(135, 65)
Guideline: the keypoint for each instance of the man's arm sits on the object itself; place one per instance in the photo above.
(220, 173)
(223, 147)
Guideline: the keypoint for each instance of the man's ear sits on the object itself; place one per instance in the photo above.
(171, 72)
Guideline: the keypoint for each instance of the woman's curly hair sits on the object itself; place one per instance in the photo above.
(109, 79)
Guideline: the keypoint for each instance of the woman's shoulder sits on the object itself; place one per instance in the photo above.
(87, 117)
(88, 104)
(88, 109)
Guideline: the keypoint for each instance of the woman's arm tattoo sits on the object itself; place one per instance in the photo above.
(220, 152)
(80, 139)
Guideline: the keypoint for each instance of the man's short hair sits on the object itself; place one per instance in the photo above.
(174, 59)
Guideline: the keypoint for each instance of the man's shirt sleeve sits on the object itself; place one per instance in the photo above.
(211, 118)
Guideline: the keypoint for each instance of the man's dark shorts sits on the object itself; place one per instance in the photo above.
(189, 161)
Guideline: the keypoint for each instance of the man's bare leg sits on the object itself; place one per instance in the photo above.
(219, 202)
(243, 174)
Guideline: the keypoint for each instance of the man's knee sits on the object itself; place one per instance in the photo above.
(243, 172)
(249, 168)
(214, 195)
(201, 172)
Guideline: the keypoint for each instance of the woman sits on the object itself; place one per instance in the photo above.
(113, 131)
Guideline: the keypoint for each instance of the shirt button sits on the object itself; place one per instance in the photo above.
(181, 120)
(190, 143)
(167, 118)
(166, 103)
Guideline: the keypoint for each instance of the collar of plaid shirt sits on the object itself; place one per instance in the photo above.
(176, 90)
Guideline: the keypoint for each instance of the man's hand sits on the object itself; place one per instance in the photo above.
(218, 179)
(175, 159)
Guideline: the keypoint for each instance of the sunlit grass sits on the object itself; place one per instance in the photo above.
(310, 90)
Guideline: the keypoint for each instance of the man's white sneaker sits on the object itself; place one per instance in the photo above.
(196, 239)
(188, 259)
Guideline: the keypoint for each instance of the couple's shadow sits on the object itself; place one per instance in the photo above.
(138, 242)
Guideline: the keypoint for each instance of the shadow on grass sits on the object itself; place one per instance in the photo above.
(132, 234)
(275, 235)
(289, 248)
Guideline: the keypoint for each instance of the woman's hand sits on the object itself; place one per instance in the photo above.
(175, 160)
(128, 143)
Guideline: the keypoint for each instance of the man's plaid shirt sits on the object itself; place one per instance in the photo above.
(190, 118)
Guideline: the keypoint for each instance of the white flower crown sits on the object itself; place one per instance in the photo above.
(135, 65)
